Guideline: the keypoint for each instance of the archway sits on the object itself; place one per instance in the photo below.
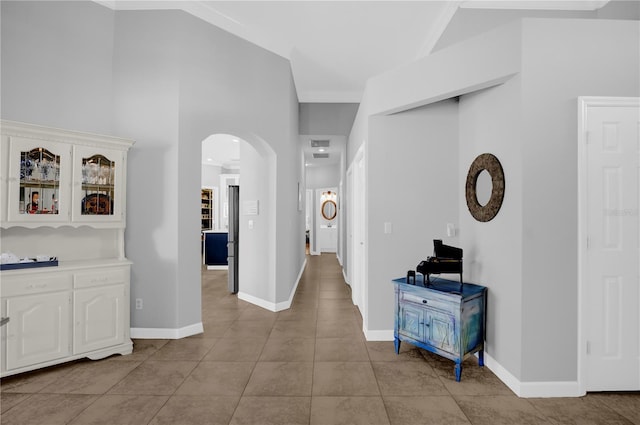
(255, 163)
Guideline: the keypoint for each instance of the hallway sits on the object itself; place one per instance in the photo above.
(306, 365)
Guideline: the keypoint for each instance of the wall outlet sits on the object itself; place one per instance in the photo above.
(138, 303)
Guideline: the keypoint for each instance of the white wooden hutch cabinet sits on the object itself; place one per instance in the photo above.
(62, 194)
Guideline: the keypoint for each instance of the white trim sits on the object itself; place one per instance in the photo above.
(218, 267)
(532, 389)
(382, 335)
(167, 333)
(271, 306)
(584, 102)
(346, 279)
(535, 4)
(287, 304)
(257, 301)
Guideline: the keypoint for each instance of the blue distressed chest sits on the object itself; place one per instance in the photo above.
(441, 318)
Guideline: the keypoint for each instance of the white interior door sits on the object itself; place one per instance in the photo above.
(611, 260)
(326, 236)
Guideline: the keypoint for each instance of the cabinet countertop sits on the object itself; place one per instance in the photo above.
(445, 286)
(71, 265)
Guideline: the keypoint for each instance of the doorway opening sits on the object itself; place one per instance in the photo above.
(240, 158)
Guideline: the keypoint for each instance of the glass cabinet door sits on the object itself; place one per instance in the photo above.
(38, 182)
(97, 184)
(98, 174)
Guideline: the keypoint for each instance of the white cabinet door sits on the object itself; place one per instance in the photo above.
(39, 329)
(99, 318)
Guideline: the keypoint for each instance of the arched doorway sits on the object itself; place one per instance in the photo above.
(251, 163)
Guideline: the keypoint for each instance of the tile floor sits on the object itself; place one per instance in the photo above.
(306, 365)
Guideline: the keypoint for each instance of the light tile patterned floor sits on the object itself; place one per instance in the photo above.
(306, 365)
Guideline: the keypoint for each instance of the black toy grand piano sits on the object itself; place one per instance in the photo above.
(446, 259)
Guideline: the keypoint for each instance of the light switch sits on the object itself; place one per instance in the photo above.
(250, 224)
(387, 227)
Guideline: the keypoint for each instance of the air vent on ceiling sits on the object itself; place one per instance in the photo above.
(320, 143)
(320, 155)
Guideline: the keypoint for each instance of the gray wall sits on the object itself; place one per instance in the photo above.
(327, 118)
(561, 61)
(57, 64)
(226, 85)
(167, 80)
(490, 121)
(527, 254)
(412, 183)
(320, 177)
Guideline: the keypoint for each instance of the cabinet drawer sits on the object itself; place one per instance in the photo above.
(100, 277)
(430, 302)
(34, 284)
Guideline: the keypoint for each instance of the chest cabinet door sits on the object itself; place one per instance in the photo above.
(39, 330)
(99, 318)
(412, 321)
(441, 330)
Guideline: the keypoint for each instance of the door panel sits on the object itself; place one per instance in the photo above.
(441, 330)
(39, 330)
(99, 318)
(411, 322)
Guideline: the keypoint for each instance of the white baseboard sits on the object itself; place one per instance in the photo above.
(218, 267)
(346, 280)
(271, 306)
(268, 305)
(165, 333)
(287, 304)
(384, 335)
(532, 389)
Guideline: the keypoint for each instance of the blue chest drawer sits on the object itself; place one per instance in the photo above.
(441, 319)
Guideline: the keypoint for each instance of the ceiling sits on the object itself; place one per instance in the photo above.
(222, 150)
(334, 47)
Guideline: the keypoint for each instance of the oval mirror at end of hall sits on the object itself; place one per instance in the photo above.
(329, 209)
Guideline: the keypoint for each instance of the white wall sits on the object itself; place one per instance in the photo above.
(210, 176)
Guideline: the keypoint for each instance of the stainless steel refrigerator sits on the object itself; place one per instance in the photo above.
(232, 244)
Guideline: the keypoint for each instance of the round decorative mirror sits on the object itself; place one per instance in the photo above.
(329, 209)
(485, 210)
